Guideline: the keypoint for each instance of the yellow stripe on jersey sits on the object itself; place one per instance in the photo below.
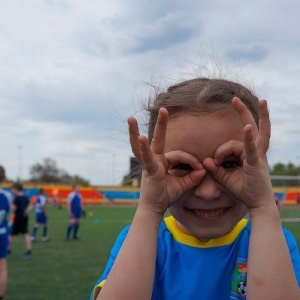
(190, 240)
(97, 289)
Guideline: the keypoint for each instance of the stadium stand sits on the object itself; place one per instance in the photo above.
(114, 195)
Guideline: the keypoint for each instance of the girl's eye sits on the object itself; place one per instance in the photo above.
(180, 170)
(185, 167)
(230, 165)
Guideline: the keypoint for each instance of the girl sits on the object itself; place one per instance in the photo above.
(205, 161)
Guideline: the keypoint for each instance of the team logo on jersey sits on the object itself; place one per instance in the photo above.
(239, 280)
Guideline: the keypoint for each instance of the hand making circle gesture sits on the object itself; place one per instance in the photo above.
(250, 183)
(161, 188)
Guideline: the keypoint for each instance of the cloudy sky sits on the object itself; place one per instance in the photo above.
(72, 71)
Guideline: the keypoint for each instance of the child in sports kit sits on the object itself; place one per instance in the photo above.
(40, 216)
(5, 203)
(75, 209)
(20, 209)
(205, 161)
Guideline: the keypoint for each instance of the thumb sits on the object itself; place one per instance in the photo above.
(216, 171)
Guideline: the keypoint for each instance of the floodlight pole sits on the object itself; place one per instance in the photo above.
(298, 170)
(113, 169)
(19, 173)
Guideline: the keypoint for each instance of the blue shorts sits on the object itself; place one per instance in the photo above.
(76, 213)
(3, 244)
(40, 218)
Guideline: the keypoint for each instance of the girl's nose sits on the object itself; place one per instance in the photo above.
(208, 189)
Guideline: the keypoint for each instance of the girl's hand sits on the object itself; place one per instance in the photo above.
(249, 181)
(160, 186)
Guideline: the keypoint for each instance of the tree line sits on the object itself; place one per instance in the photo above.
(288, 169)
(279, 168)
(48, 171)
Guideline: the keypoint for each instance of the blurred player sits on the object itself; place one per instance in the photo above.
(5, 200)
(41, 217)
(20, 209)
(75, 209)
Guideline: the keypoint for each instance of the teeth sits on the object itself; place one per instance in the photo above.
(208, 213)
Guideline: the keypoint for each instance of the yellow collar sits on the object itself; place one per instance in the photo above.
(190, 240)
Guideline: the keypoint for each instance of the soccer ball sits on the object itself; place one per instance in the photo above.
(242, 288)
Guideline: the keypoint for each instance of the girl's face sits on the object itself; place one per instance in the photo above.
(206, 211)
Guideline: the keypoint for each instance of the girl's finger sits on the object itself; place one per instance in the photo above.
(251, 154)
(263, 138)
(159, 134)
(192, 179)
(178, 158)
(231, 148)
(134, 138)
(216, 171)
(245, 114)
(148, 162)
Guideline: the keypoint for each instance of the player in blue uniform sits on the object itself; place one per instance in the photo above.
(74, 209)
(5, 203)
(41, 217)
(20, 209)
(206, 164)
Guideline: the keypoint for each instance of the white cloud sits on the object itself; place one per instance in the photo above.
(72, 71)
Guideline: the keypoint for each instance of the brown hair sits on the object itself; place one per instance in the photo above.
(18, 186)
(200, 95)
(2, 173)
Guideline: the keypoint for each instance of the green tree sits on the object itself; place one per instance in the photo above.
(282, 169)
(48, 172)
(278, 169)
(288, 169)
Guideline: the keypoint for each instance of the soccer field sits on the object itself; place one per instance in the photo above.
(63, 270)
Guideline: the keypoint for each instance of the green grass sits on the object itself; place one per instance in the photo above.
(294, 227)
(61, 270)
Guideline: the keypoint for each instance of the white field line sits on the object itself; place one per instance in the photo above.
(290, 220)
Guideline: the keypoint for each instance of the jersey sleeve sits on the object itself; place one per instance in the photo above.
(44, 201)
(10, 197)
(69, 198)
(113, 254)
(294, 253)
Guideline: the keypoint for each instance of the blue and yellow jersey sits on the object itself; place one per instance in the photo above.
(187, 268)
(4, 210)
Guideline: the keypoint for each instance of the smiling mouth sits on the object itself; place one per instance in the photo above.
(209, 213)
